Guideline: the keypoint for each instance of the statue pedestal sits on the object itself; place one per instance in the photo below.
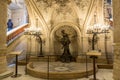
(94, 54)
(66, 58)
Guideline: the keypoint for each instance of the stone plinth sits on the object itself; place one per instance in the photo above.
(3, 65)
(3, 61)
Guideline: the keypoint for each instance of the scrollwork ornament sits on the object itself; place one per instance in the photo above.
(82, 3)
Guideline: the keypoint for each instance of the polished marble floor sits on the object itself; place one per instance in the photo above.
(102, 74)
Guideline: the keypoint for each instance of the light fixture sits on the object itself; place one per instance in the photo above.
(95, 29)
(35, 31)
(32, 31)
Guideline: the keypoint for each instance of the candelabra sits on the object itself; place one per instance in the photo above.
(35, 32)
(99, 29)
(94, 30)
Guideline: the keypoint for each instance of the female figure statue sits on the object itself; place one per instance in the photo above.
(65, 41)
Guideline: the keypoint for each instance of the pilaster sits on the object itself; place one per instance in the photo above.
(3, 29)
(116, 19)
(116, 67)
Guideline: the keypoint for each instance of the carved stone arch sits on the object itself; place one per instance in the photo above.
(60, 25)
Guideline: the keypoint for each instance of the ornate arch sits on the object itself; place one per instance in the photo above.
(58, 26)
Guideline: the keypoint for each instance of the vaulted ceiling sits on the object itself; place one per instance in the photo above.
(52, 12)
(49, 13)
(63, 10)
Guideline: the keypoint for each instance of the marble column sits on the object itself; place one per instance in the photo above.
(116, 19)
(3, 28)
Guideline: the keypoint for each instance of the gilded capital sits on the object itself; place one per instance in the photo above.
(7, 1)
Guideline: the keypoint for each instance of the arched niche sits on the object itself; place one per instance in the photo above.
(74, 34)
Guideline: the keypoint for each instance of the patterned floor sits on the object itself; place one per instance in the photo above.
(102, 74)
(61, 67)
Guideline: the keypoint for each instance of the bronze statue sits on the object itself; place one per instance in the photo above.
(65, 41)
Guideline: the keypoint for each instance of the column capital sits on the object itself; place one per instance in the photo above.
(7, 1)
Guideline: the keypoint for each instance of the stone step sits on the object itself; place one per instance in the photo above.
(35, 58)
(43, 59)
(105, 66)
(6, 74)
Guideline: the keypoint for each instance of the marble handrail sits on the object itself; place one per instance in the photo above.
(15, 32)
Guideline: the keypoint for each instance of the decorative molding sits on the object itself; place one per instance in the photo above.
(33, 5)
(62, 3)
(64, 10)
(49, 3)
(117, 50)
(116, 44)
(82, 3)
